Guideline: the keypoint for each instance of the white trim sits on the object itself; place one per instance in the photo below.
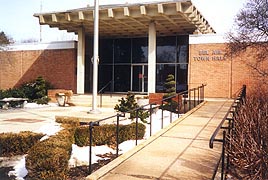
(207, 39)
(42, 46)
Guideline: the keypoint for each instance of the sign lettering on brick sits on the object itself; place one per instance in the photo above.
(209, 55)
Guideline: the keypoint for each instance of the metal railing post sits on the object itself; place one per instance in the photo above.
(137, 111)
(189, 99)
(198, 95)
(194, 98)
(117, 134)
(178, 105)
(151, 111)
(90, 146)
(162, 115)
(223, 156)
(184, 103)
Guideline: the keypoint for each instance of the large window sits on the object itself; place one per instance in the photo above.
(172, 58)
(124, 63)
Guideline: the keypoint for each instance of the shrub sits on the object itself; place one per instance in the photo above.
(130, 105)
(15, 92)
(106, 134)
(248, 146)
(170, 91)
(36, 91)
(72, 121)
(49, 158)
(18, 143)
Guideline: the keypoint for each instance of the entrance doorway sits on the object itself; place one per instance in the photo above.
(139, 78)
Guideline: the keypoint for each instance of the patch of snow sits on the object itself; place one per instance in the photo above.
(20, 170)
(80, 155)
(127, 145)
(35, 105)
(49, 130)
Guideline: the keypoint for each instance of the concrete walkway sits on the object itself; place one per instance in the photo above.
(180, 151)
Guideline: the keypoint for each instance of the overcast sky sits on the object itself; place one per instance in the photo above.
(17, 21)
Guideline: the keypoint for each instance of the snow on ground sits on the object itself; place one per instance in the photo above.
(34, 105)
(49, 130)
(19, 169)
(80, 155)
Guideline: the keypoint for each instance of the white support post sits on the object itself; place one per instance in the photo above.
(81, 61)
(152, 58)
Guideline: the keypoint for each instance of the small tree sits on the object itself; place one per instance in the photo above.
(170, 90)
(170, 86)
(129, 105)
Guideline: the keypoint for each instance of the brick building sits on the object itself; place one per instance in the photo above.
(56, 62)
(139, 45)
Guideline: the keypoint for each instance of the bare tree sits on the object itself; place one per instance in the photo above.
(251, 35)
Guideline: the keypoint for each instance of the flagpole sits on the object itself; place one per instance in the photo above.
(95, 58)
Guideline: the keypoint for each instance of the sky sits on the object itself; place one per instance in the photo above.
(18, 22)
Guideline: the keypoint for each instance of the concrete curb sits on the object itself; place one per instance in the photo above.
(116, 162)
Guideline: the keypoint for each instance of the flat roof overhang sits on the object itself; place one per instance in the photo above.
(132, 20)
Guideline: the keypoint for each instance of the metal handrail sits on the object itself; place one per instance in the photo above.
(101, 91)
(151, 106)
(232, 110)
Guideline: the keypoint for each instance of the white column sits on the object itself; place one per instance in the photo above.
(152, 58)
(81, 61)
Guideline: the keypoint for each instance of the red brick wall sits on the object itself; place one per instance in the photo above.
(57, 66)
(205, 68)
(223, 77)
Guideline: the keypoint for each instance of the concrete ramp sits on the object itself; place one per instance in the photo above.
(179, 151)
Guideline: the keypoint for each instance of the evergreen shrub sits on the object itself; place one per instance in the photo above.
(106, 134)
(49, 158)
(170, 90)
(72, 121)
(129, 105)
(35, 91)
(18, 143)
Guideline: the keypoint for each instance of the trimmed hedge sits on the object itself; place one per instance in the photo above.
(106, 134)
(18, 143)
(72, 121)
(49, 158)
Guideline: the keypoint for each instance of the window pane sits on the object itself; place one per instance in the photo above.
(182, 49)
(140, 50)
(166, 50)
(122, 78)
(181, 79)
(105, 76)
(122, 50)
(106, 51)
(162, 71)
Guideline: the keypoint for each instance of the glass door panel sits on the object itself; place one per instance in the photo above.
(139, 78)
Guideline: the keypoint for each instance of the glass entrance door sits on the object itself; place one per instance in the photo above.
(139, 78)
